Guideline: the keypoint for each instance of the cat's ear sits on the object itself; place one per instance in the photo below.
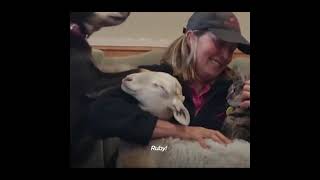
(242, 74)
(236, 69)
(247, 76)
(237, 73)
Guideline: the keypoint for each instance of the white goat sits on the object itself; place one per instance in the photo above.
(161, 95)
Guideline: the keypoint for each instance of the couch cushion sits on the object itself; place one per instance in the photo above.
(149, 58)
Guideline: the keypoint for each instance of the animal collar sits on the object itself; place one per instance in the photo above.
(233, 111)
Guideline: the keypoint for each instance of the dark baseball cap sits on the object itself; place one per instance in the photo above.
(224, 25)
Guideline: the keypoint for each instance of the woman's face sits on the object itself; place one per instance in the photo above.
(212, 56)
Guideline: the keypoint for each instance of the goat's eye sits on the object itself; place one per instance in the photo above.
(158, 86)
(164, 90)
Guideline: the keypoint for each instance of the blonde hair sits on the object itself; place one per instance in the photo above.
(182, 58)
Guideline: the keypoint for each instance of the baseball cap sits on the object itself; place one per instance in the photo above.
(224, 25)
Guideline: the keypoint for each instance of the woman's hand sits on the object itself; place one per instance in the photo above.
(200, 134)
(167, 129)
(246, 96)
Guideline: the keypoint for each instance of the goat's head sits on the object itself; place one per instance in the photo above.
(105, 19)
(158, 93)
(93, 21)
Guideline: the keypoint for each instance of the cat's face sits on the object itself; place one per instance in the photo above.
(234, 94)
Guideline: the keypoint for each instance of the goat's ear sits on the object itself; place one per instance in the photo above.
(180, 113)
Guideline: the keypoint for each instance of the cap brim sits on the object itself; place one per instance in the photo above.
(233, 37)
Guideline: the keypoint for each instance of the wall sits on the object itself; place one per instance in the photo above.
(156, 29)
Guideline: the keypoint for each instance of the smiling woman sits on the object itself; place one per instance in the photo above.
(179, 153)
(198, 59)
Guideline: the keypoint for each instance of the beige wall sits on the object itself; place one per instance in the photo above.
(153, 29)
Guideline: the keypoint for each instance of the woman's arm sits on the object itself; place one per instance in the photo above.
(118, 115)
(167, 129)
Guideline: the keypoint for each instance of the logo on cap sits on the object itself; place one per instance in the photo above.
(232, 23)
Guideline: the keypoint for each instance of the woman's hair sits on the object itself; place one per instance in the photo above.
(182, 58)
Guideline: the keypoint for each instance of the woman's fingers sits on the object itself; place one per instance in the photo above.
(202, 143)
(245, 104)
(200, 134)
(224, 139)
(246, 88)
(245, 95)
(214, 137)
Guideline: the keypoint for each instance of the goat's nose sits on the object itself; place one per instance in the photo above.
(128, 79)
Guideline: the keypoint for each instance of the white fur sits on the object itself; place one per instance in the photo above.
(158, 93)
(180, 153)
(185, 154)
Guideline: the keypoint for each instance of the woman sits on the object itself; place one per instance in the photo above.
(199, 59)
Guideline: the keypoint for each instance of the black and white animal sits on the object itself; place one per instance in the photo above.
(161, 94)
(84, 75)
